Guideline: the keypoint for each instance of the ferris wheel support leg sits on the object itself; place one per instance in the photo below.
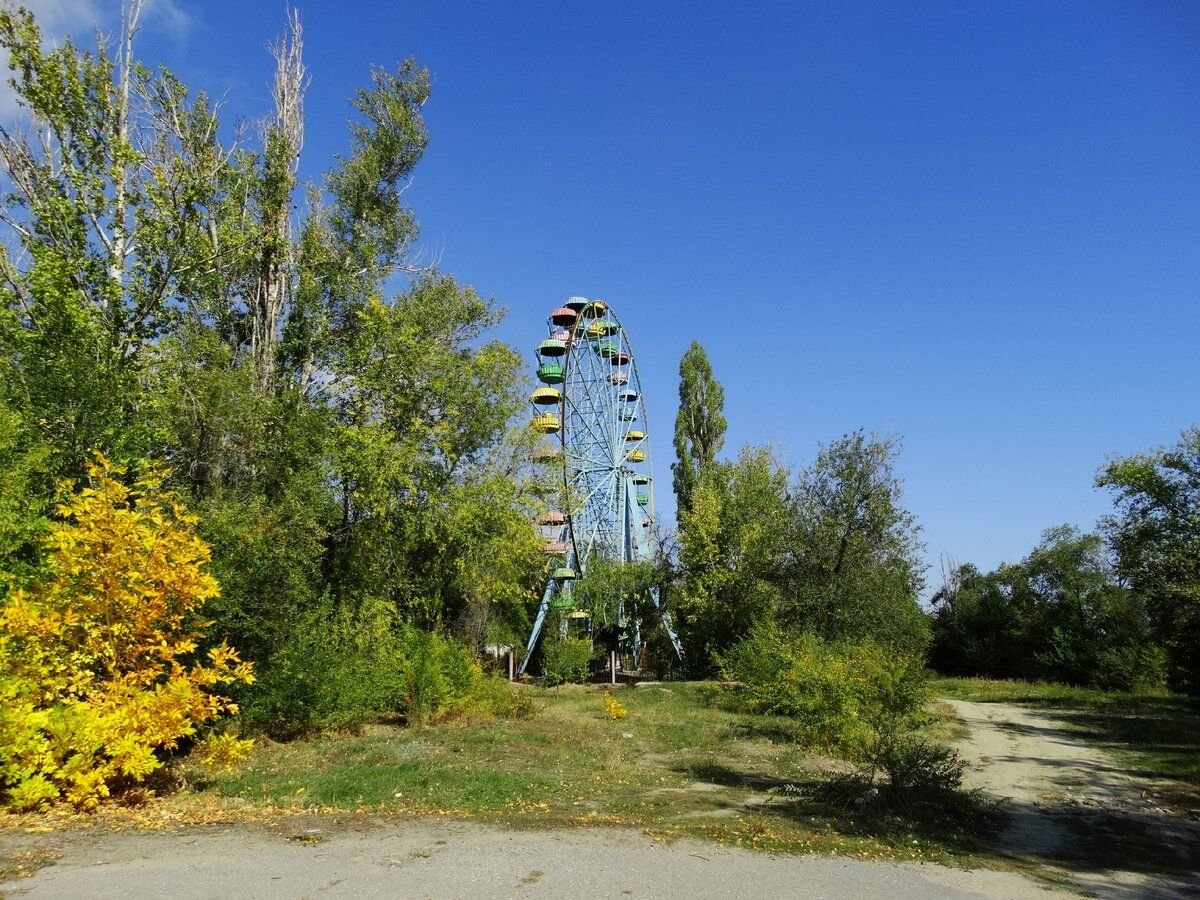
(668, 624)
(537, 626)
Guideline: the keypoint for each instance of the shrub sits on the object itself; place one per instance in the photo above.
(922, 770)
(438, 675)
(494, 696)
(860, 700)
(565, 661)
(892, 692)
(331, 669)
(99, 668)
(341, 668)
(222, 751)
(614, 708)
(924, 784)
(868, 703)
(1131, 667)
(854, 699)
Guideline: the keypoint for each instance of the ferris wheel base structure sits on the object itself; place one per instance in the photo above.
(592, 410)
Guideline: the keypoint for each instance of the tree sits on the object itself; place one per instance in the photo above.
(333, 409)
(22, 509)
(1155, 533)
(730, 549)
(1059, 614)
(699, 424)
(617, 594)
(852, 569)
(100, 665)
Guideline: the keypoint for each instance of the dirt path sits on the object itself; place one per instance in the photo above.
(1074, 807)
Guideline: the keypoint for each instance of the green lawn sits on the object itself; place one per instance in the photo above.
(678, 764)
(1158, 734)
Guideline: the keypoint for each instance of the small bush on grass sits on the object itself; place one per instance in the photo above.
(565, 660)
(614, 708)
(864, 702)
(923, 784)
(493, 696)
(332, 669)
(856, 700)
(341, 668)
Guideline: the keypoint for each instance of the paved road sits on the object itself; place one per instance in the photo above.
(466, 860)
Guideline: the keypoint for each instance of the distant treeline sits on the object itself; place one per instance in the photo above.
(832, 552)
(1118, 609)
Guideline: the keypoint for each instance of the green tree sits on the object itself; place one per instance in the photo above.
(730, 549)
(1155, 533)
(1060, 614)
(101, 235)
(853, 569)
(699, 424)
(618, 593)
(22, 511)
(335, 410)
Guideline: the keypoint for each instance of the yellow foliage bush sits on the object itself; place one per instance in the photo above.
(99, 669)
(223, 751)
(613, 707)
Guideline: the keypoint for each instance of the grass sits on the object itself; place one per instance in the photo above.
(1058, 696)
(677, 765)
(1156, 734)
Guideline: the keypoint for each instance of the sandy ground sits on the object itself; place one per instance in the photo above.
(467, 860)
(1075, 808)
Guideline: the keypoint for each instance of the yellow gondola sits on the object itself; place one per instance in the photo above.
(546, 423)
(601, 328)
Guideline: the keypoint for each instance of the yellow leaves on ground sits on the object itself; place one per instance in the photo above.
(97, 660)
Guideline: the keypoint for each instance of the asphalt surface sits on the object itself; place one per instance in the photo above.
(465, 860)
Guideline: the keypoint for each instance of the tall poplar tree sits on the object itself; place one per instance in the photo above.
(699, 424)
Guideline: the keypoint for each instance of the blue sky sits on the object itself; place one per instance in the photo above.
(973, 224)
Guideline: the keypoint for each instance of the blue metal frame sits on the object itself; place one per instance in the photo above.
(603, 517)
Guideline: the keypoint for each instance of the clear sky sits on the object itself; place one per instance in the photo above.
(973, 224)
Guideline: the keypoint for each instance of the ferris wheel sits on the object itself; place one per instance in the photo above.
(595, 458)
